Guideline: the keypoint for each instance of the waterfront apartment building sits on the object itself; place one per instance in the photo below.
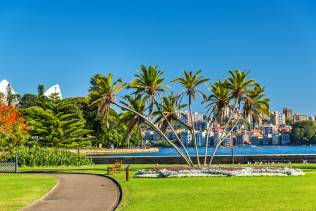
(152, 136)
(201, 125)
(268, 129)
(285, 129)
(276, 139)
(300, 117)
(285, 139)
(185, 137)
(227, 141)
(217, 136)
(277, 118)
(200, 138)
(288, 114)
(195, 116)
(242, 139)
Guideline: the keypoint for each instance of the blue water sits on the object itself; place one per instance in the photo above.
(236, 151)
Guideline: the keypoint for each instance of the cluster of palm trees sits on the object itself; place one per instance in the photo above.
(227, 104)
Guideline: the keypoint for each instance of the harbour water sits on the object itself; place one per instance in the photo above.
(258, 150)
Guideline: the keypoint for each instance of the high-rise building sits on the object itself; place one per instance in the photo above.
(274, 118)
(277, 118)
(195, 116)
(288, 114)
(200, 125)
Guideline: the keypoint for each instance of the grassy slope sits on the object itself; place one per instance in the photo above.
(216, 193)
(19, 190)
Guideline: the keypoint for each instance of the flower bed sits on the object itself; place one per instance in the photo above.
(239, 171)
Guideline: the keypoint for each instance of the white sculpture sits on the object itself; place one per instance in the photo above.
(53, 90)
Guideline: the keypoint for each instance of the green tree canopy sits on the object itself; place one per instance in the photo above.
(60, 124)
(304, 132)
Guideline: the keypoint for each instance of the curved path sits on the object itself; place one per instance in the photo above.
(78, 192)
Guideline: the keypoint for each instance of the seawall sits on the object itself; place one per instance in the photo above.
(224, 159)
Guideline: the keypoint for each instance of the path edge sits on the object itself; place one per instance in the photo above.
(44, 196)
(120, 191)
(117, 184)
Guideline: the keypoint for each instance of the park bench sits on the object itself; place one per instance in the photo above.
(115, 168)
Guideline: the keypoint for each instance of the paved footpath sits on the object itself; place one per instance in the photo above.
(76, 192)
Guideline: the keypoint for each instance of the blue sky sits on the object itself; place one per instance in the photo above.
(66, 42)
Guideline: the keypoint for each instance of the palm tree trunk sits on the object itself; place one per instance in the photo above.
(129, 131)
(141, 135)
(221, 140)
(156, 129)
(225, 128)
(193, 131)
(206, 141)
(175, 133)
(208, 131)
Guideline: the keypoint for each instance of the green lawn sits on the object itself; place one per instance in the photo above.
(19, 190)
(214, 193)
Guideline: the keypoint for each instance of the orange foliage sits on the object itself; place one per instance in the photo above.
(9, 117)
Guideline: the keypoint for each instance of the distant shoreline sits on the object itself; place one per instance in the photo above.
(115, 151)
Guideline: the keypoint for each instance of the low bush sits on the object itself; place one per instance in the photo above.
(37, 156)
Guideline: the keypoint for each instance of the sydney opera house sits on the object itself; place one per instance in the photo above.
(5, 86)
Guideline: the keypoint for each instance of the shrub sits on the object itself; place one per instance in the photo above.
(37, 156)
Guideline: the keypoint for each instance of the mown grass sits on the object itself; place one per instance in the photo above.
(19, 190)
(215, 193)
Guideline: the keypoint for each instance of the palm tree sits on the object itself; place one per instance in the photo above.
(136, 103)
(218, 101)
(217, 107)
(171, 107)
(149, 84)
(255, 105)
(190, 82)
(238, 85)
(103, 93)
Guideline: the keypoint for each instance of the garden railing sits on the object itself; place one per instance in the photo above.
(9, 165)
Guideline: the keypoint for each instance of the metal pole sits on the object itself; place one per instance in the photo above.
(16, 164)
(233, 158)
(126, 173)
